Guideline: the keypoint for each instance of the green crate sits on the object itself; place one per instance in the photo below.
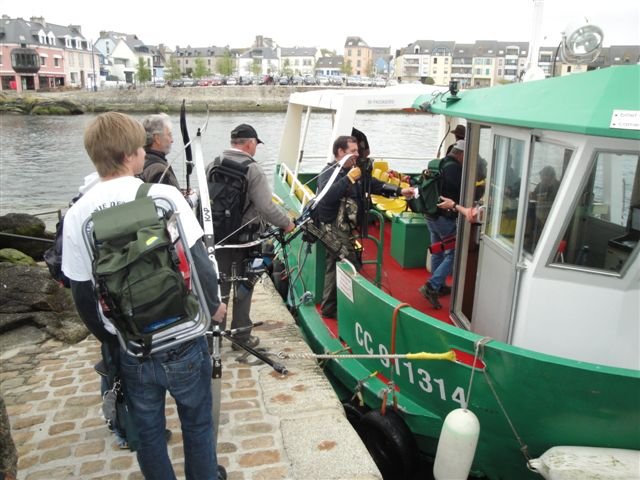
(410, 239)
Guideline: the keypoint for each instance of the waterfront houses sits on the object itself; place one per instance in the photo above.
(38, 55)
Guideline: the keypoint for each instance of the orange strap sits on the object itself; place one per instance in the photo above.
(394, 321)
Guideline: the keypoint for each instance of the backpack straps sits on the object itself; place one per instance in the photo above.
(143, 190)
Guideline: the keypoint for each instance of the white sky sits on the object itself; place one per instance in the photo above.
(327, 23)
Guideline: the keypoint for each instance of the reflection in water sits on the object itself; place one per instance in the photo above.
(43, 161)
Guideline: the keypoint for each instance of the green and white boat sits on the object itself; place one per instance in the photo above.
(544, 317)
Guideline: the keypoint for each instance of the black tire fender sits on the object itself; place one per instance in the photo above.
(354, 413)
(390, 443)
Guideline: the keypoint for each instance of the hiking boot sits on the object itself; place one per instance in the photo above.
(250, 342)
(444, 291)
(431, 295)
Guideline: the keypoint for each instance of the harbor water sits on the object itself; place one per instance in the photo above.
(43, 160)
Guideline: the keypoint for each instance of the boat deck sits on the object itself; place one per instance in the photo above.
(400, 282)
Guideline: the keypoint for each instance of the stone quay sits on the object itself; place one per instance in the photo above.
(271, 426)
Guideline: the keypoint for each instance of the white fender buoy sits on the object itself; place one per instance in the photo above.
(588, 463)
(457, 445)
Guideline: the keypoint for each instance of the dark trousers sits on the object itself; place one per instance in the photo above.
(241, 303)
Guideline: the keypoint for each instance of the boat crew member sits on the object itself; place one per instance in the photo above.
(258, 209)
(337, 211)
(442, 227)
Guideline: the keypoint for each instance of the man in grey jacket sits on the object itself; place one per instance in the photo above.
(258, 208)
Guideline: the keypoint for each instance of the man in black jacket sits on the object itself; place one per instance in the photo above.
(337, 211)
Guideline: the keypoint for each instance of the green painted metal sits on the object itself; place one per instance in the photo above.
(379, 243)
(573, 399)
(564, 107)
(410, 239)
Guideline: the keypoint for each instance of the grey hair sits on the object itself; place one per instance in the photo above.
(154, 125)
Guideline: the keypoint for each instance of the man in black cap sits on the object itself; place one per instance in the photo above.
(257, 210)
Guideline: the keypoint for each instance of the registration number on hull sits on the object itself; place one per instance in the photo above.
(412, 373)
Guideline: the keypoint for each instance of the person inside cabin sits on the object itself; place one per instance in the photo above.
(338, 210)
(442, 228)
(542, 197)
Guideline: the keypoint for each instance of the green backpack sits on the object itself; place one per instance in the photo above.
(136, 270)
(429, 185)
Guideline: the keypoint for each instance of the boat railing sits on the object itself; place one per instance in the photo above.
(302, 192)
(379, 243)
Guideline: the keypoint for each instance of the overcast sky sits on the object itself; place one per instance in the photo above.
(327, 23)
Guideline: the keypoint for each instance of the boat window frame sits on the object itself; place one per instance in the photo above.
(601, 272)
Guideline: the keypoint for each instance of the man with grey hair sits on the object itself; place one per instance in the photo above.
(158, 145)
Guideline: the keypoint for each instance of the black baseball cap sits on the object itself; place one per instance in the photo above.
(245, 131)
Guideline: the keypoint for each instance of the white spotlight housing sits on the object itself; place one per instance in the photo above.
(581, 43)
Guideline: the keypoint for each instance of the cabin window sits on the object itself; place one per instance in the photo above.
(604, 227)
(504, 190)
(548, 163)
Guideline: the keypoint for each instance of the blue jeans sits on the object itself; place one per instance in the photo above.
(441, 263)
(185, 372)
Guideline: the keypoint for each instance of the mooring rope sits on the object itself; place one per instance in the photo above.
(450, 355)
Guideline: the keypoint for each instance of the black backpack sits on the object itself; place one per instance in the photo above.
(53, 255)
(136, 268)
(227, 181)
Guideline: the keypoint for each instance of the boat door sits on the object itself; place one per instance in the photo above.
(501, 234)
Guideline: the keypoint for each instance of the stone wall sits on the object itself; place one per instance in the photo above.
(149, 99)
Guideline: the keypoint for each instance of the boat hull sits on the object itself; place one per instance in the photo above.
(525, 401)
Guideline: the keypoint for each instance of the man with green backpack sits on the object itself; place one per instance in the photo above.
(442, 178)
(124, 218)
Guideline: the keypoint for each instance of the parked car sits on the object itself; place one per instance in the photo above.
(245, 80)
(379, 82)
(217, 80)
(203, 82)
(188, 82)
(335, 80)
(309, 80)
(176, 83)
(296, 80)
(159, 83)
(283, 80)
(231, 81)
(322, 80)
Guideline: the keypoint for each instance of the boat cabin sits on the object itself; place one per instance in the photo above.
(552, 264)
